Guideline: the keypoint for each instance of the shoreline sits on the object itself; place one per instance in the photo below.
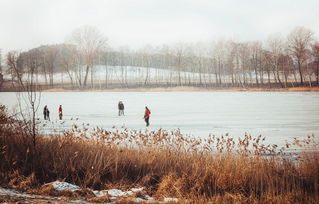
(190, 89)
(171, 89)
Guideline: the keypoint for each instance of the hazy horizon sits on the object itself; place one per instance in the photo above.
(29, 24)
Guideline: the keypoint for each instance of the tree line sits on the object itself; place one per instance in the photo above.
(287, 61)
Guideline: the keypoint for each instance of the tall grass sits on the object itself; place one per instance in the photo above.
(217, 169)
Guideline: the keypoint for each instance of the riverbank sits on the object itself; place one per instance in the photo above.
(9, 87)
(191, 89)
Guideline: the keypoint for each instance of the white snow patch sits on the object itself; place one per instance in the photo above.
(133, 190)
(171, 200)
(100, 193)
(137, 189)
(62, 186)
(138, 200)
(34, 198)
(116, 192)
(149, 198)
(14, 193)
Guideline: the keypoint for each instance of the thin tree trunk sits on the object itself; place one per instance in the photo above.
(317, 72)
(86, 74)
(300, 72)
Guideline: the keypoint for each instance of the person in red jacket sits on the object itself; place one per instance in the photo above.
(147, 116)
(60, 112)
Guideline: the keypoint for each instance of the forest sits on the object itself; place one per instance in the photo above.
(86, 60)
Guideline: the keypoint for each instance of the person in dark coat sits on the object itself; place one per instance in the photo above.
(48, 114)
(45, 111)
(121, 108)
(147, 116)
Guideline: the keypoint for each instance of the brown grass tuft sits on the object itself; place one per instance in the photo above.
(22, 182)
(85, 193)
(105, 198)
(45, 190)
(172, 186)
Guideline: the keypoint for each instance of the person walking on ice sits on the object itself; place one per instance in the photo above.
(60, 112)
(45, 111)
(121, 108)
(147, 116)
(48, 114)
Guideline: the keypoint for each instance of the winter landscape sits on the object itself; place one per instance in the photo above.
(159, 101)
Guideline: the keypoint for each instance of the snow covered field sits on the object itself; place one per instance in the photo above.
(120, 74)
(279, 116)
(117, 74)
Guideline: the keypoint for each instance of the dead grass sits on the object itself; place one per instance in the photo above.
(214, 169)
(101, 199)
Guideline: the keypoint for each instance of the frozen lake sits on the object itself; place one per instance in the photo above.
(279, 116)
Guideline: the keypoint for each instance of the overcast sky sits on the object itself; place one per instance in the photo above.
(25, 24)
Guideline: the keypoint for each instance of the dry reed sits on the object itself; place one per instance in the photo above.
(216, 169)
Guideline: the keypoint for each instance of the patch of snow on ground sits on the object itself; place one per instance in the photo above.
(133, 190)
(100, 193)
(13, 193)
(147, 197)
(171, 200)
(62, 186)
(139, 200)
(137, 189)
(116, 192)
(31, 198)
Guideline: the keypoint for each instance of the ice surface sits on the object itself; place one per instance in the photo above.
(278, 116)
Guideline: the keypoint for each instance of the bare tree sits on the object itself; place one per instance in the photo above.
(285, 64)
(89, 42)
(276, 47)
(0, 61)
(219, 55)
(267, 64)
(299, 42)
(146, 62)
(15, 68)
(67, 61)
(315, 54)
(244, 53)
(256, 48)
(50, 60)
(199, 61)
(106, 57)
(31, 93)
(179, 52)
